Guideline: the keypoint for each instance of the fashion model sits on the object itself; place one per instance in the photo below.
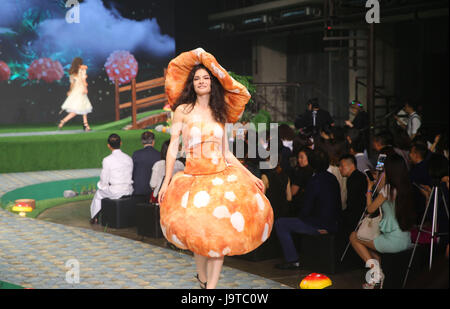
(215, 207)
(77, 102)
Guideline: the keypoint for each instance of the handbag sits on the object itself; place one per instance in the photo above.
(369, 229)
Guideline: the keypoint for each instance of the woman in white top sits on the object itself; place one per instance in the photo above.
(159, 170)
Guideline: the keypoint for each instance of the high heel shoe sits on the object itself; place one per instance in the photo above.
(86, 127)
(203, 285)
(375, 278)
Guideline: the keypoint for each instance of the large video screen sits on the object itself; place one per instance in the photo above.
(116, 39)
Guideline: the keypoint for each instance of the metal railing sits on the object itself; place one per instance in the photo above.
(284, 101)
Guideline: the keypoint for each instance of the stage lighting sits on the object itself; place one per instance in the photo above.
(301, 12)
(258, 20)
(221, 27)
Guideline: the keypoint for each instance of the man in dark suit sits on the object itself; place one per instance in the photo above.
(419, 175)
(143, 161)
(356, 193)
(320, 214)
(314, 118)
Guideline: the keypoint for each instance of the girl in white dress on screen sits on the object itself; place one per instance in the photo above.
(77, 102)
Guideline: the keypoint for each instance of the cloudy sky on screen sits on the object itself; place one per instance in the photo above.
(100, 31)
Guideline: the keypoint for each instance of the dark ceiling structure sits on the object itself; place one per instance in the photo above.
(238, 17)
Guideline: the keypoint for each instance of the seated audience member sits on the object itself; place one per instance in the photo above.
(419, 175)
(354, 136)
(385, 139)
(240, 151)
(351, 135)
(252, 160)
(357, 149)
(302, 175)
(300, 141)
(396, 201)
(335, 149)
(159, 170)
(381, 140)
(287, 135)
(283, 151)
(115, 177)
(419, 171)
(143, 161)
(320, 214)
(277, 189)
(286, 142)
(356, 193)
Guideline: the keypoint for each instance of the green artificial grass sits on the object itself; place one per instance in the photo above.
(50, 194)
(9, 286)
(38, 128)
(117, 125)
(62, 152)
(75, 125)
(41, 206)
(49, 190)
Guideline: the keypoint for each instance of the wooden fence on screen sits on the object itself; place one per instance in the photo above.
(137, 104)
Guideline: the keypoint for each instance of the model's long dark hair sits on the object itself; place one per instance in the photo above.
(76, 63)
(398, 178)
(216, 100)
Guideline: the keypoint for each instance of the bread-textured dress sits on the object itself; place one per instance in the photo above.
(212, 208)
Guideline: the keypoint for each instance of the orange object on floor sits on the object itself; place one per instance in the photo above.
(315, 281)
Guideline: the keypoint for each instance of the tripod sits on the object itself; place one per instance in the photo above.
(433, 232)
(362, 216)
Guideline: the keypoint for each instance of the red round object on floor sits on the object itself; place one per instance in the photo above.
(315, 281)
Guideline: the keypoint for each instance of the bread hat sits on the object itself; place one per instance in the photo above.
(236, 95)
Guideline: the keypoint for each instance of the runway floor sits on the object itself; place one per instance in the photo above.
(39, 254)
(34, 252)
